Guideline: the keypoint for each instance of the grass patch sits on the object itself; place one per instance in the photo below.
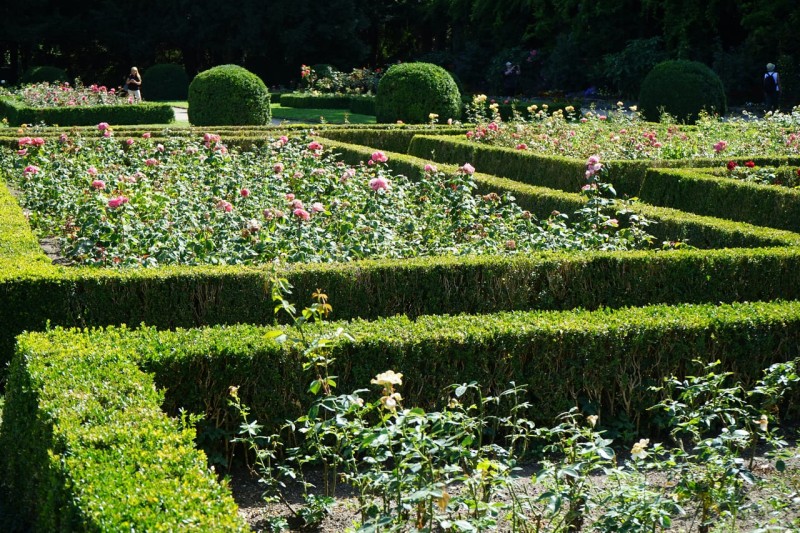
(315, 116)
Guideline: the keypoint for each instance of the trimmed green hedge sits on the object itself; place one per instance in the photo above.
(699, 191)
(556, 172)
(396, 139)
(142, 113)
(87, 447)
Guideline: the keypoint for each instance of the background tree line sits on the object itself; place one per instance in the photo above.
(566, 45)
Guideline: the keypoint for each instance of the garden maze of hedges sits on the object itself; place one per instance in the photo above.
(91, 427)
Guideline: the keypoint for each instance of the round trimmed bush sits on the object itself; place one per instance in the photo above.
(412, 91)
(166, 81)
(43, 74)
(228, 95)
(682, 89)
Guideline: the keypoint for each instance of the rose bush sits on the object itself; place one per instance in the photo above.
(622, 134)
(65, 95)
(139, 201)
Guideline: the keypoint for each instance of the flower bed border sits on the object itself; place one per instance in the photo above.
(141, 113)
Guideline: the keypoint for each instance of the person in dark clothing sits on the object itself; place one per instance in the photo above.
(772, 88)
(510, 79)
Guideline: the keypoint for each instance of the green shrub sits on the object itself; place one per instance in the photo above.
(166, 81)
(43, 74)
(363, 104)
(142, 113)
(89, 449)
(228, 94)
(412, 91)
(682, 89)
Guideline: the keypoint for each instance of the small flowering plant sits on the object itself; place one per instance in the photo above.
(191, 201)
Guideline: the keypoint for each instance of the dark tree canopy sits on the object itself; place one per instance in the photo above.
(575, 40)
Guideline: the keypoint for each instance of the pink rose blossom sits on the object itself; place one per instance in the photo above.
(150, 162)
(245, 192)
(129, 141)
(160, 147)
(107, 133)
(297, 175)
(522, 146)
(720, 146)
(31, 169)
(314, 146)
(224, 205)
(301, 213)
(470, 134)
(493, 126)
(117, 201)
(24, 151)
(317, 207)
(289, 197)
(379, 157)
(284, 139)
(98, 184)
(466, 168)
(297, 204)
(146, 135)
(103, 126)
(38, 141)
(379, 183)
(278, 168)
(24, 141)
(431, 168)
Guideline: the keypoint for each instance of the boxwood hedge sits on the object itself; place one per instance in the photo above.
(143, 113)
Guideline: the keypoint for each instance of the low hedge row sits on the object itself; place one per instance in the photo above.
(143, 113)
(698, 191)
(392, 140)
(606, 359)
(555, 172)
(88, 448)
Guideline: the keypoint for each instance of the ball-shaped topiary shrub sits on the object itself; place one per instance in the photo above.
(43, 74)
(412, 91)
(682, 89)
(228, 95)
(166, 81)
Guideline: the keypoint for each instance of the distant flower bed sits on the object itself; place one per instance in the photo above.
(621, 134)
(65, 95)
(135, 202)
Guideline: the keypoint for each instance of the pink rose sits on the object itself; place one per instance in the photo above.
(522, 146)
(117, 201)
(284, 139)
(379, 157)
(99, 184)
(92, 171)
(150, 162)
(466, 168)
(245, 193)
(107, 133)
(146, 135)
(289, 197)
(38, 141)
(302, 214)
(24, 141)
(314, 146)
(31, 169)
(431, 168)
(103, 126)
(720, 146)
(379, 183)
(317, 207)
(160, 147)
(24, 151)
(278, 168)
(223, 205)
(129, 142)
(297, 204)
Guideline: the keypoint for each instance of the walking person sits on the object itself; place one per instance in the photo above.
(772, 88)
(134, 85)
